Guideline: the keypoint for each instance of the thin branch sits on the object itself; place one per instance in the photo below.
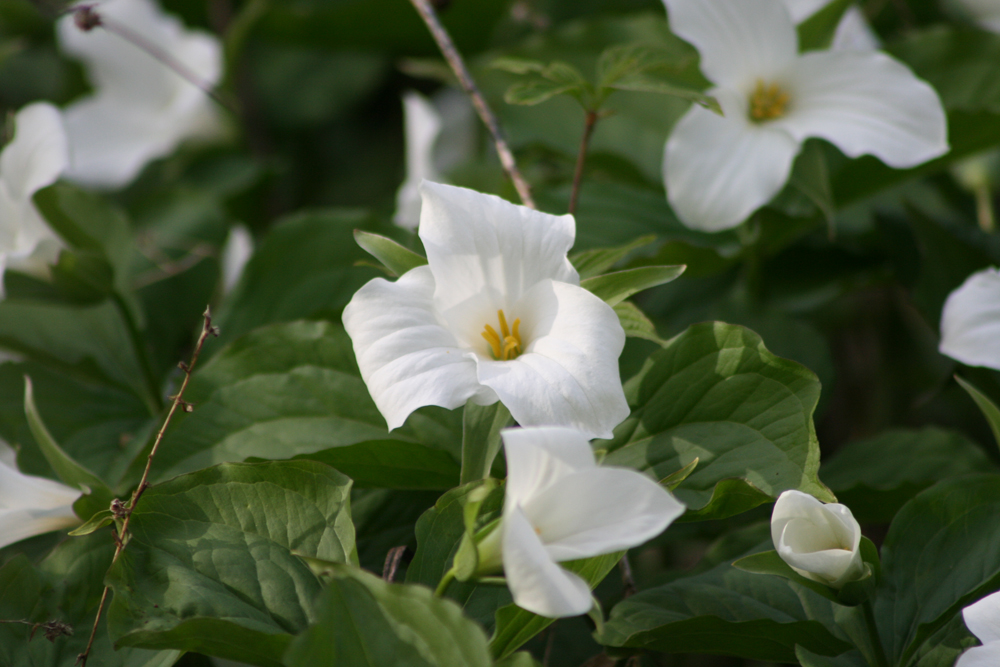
(588, 130)
(124, 511)
(392, 561)
(454, 59)
(53, 629)
(87, 18)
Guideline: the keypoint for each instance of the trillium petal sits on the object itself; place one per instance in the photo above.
(719, 170)
(16, 525)
(598, 511)
(739, 42)
(486, 252)
(422, 127)
(865, 103)
(32, 505)
(538, 457)
(987, 655)
(537, 583)
(983, 619)
(970, 321)
(38, 153)
(568, 373)
(406, 357)
(235, 255)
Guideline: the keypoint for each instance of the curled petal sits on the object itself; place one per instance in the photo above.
(537, 583)
(33, 505)
(970, 321)
(983, 619)
(486, 252)
(738, 41)
(865, 103)
(568, 374)
(599, 511)
(539, 457)
(37, 155)
(406, 357)
(719, 170)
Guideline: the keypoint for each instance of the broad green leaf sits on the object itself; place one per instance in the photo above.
(212, 567)
(391, 464)
(716, 393)
(20, 588)
(396, 258)
(907, 462)
(621, 60)
(516, 65)
(989, 408)
(481, 426)
(723, 611)
(96, 522)
(811, 177)
(515, 626)
(817, 31)
(615, 287)
(537, 91)
(644, 83)
(364, 621)
(97, 494)
(635, 323)
(590, 263)
(293, 390)
(384, 519)
(940, 555)
(852, 658)
(519, 659)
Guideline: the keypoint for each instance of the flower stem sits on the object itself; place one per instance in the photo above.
(588, 129)
(446, 580)
(454, 59)
(880, 659)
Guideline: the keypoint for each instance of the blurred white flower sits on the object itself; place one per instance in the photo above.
(984, 13)
(34, 159)
(982, 618)
(819, 541)
(718, 170)
(970, 321)
(235, 255)
(560, 505)
(440, 135)
(852, 33)
(141, 109)
(31, 505)
(497, 314)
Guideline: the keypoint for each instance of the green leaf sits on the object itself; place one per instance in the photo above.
(852, 658)
(97, 494)
(481, 426)
(622, 60)
(515, 626)
(364, 621)
(294, 390)
(20, 588)
(673, 480)
(391, 464)
(716, 393)
(396, 258)
(817, 31)
(938, 557)
(723, 611)
(989, 408)
(96, 522)
(644, 83)
(516, 65)
(811, 177)
(537, 91)
(615, 287)
(635, 323)
(590, 263)
(908, 461)
(210, 564)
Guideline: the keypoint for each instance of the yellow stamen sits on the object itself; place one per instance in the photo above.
(768, 102)
(507, 344)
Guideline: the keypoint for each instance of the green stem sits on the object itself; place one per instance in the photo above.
(880, 659)
(153, 401)
(446, 580)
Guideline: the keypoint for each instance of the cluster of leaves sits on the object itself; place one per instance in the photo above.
(277, 497)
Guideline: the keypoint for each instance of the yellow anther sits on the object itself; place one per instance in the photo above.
(768, 102)
(507, 344)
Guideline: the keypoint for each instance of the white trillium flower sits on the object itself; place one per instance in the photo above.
(970, 321)
(34, 159)
(718, 170)
(31, 505)
(982, 618)
(852, 33)
(141, 109)
(440, 135)
(819, 541)
(496, 314)
(560, 505)
(235, 254)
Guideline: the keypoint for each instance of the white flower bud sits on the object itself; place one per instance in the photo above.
(818, 541)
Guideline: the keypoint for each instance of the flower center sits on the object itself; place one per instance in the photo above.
(506, 344)
(768, 102)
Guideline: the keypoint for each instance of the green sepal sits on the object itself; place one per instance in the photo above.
(594, 262)
(395, 257)
(466, 562)
(481, 425)
(673, 480)
(613, 288)
(988, 407)
(96, 522)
